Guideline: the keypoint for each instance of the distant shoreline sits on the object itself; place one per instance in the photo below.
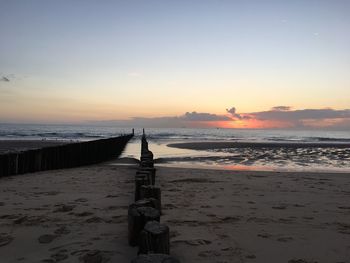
(223, 145)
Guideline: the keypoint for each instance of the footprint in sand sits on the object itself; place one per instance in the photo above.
(209, 253)
(228, 219)
(20, 220)
(63, 208)
(118, 219)
(46, 193)
(63, 230)
(111, 196)
(81, 200)
(8, 216)
(285, 239)
(279, 207)
(94, 256)
(227, 249)
(94, 219)
(250, 256)
(79, 252)
(59, 256)
(344, 207)
(308, 217)
(44, 239)
(174, 233)
(264, 235)
(83, 214)
(5, 239)
(169, 206)
(223, 236)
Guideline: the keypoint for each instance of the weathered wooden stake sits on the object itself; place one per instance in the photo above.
(152, 171)
(154, 238)
(147, 156)
(140, 180)
(137, 218)
(146, 173)
(148, 163)
(150, 191)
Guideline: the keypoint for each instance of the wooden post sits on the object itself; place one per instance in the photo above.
(155, 258)
(38, 158)
(148, 174)
(140, 180)
(154, 238)
(147, 155)
(151, 170)
(137, 218)
(3, 165)
(149, 164)
(13, 162)
(150, 191)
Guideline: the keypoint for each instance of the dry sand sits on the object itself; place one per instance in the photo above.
(80, 214)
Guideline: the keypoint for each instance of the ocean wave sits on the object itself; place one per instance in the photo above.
(327, 139)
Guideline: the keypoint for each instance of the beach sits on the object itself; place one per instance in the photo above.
(80, 215)
(174, 131)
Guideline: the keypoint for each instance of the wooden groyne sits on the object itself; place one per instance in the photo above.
(144, 227)
(62, 156)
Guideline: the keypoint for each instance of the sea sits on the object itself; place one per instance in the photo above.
(333, 156)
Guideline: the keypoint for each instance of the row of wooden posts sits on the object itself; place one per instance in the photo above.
(62, 156)
(145, 229)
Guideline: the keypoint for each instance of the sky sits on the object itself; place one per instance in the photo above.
(204, 63)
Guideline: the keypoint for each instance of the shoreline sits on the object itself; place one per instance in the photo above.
(258, 169)
(215, 155)
(227, 145)
(318, 157)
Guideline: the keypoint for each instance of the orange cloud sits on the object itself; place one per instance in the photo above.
(280, 117)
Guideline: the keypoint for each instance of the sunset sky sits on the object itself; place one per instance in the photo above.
(216, 63)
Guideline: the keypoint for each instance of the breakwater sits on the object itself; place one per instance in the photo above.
(144, 227)
(62, 156)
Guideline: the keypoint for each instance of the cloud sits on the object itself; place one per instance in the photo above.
(284, 117)
(276, 117)
(4, 79)
(189, 119)
(232, 111)
(297, 115)
(280, 108)
(194, 116)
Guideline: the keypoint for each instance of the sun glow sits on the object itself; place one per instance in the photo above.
(249, 124)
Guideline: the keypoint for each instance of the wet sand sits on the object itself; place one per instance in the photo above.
(80, 214)
(228, 145)
(332, 157)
